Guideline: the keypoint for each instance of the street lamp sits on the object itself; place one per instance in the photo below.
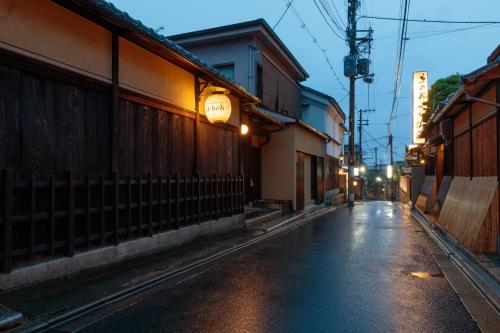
(378, 179)
(389, 171)
(356, 172)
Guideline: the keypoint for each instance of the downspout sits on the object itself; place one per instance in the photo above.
(250, 87)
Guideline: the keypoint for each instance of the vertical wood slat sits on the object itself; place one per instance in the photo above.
(139, 205)
(198, 192)
(192, 200)
(205, 199)
(177, 195)
(32, 216)
(150, 204)
(216, 183)
(116, 207)
(88, 216)
(169, 206)
(232, 194)
(160, 204)
(115, 100)
(7, 220)
(185, 201)
(103, 212)
(71, 212)
(52, 213)
(129, 207)
(242, 192)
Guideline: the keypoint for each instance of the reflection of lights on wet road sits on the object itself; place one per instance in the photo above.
(422, 275)
(426, 275)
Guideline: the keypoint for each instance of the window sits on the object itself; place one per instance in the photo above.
(227, 70)
(259, 84)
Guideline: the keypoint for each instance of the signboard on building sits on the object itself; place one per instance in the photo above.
(420, 93)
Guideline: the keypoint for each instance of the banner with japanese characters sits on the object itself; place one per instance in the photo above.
(420, 93)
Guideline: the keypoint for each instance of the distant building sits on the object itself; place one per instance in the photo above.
(323, 113)
(285, 154)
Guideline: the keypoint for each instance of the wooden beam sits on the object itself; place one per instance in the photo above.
(498, 130)
(115, 98)
(471, 150)
(197, 93)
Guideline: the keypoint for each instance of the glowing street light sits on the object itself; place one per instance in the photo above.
(389, 171)
(244, 129)
(356, 172)
(378, 179)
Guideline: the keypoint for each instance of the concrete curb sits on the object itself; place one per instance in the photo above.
(485, 285)
(56, 268)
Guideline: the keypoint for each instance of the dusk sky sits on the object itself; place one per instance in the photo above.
(431, 47)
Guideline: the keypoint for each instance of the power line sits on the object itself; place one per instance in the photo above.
(428, 21)
(432, 33)
(284, 13)
(450, 31)
(338, 14)
(315, 41)
(326, 21)
(399, 60)
(328, 10)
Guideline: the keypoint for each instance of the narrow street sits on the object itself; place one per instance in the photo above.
(348, 271)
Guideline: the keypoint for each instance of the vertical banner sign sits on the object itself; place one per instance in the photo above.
(419, 98)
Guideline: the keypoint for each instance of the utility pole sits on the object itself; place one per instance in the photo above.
(351, 34)
(376, 158)
(391, 185)
(355, 67)
(362, 122)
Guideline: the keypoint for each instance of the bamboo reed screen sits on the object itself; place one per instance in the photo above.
(470, 213)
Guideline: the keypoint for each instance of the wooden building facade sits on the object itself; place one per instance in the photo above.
(103, 136)
(463, 154)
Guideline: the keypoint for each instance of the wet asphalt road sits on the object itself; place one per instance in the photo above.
(348, 271)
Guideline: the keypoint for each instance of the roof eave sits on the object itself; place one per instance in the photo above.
(105, 13)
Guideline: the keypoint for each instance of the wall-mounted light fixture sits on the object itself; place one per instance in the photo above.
(244, 129)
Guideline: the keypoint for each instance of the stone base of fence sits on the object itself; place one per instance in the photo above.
(56, 268)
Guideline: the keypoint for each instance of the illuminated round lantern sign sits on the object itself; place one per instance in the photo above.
(218, 108)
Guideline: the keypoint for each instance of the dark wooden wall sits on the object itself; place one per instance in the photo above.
(461, 155)
(331, 173)
(484, 144)
(49, 126)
